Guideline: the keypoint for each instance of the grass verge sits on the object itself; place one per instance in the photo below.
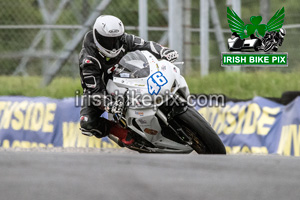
(31, 86)
(246, 85)
(234, 85)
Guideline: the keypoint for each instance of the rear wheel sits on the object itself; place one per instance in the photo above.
(204, 138)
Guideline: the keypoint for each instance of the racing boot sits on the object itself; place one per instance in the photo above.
(275, 48)
(122, 134)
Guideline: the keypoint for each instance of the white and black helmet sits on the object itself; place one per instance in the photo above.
(107, 33)
(282, 32)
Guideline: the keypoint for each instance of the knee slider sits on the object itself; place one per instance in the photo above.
(86, 123)
(89, 128)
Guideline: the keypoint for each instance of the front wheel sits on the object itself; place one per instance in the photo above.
(205, 139)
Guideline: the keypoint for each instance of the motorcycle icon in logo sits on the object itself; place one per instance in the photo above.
(272, 33)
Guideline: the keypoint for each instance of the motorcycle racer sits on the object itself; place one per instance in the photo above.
(102, 49)
(274, 38)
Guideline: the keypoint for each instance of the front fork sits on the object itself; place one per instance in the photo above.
(169, 120)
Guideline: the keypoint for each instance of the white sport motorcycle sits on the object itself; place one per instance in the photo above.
(157, 112)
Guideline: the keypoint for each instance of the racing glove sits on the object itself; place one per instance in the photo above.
(115, 107)
(169, 54)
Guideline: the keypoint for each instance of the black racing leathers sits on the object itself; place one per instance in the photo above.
(96, 70)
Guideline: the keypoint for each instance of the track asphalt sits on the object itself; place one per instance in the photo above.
(119, 176)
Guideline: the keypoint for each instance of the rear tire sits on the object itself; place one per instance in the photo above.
(205, 139)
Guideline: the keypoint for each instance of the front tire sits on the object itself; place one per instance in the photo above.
(205, 139)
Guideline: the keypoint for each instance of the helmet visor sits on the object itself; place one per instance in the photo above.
(109, 43)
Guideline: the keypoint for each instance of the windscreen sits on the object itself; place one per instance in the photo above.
(133, 65)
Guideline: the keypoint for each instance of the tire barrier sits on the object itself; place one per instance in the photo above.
(259, 125)
(29, 122)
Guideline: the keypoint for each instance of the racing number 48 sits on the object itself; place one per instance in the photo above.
(155, 82)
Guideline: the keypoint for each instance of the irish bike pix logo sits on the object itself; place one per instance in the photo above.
(255, 44)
